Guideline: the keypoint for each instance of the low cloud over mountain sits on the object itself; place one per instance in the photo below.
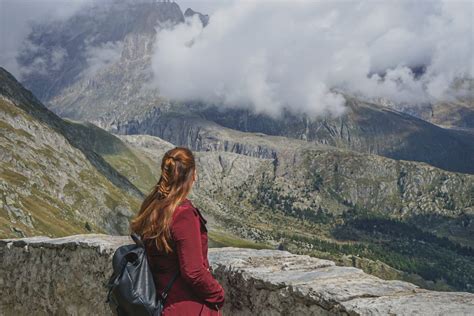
(272, 54)
(268, 55)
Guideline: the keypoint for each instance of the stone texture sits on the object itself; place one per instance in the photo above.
(65, 276)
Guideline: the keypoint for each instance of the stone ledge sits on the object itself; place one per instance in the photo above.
(65, 276)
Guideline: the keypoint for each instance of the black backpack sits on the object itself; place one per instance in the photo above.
(131, 286)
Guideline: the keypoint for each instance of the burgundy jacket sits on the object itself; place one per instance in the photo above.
(195, 291)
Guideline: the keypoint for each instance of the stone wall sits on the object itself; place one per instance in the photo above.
(65, 276)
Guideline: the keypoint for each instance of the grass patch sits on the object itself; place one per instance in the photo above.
(142, 175)
(13, 178)
(219, 239)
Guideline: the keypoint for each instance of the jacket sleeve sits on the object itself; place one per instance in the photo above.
(186, 233)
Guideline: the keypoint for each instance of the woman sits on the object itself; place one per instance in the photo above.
(175, 237)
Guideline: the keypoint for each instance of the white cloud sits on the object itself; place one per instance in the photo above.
(99, 57)
(273, 54)
(16, 17)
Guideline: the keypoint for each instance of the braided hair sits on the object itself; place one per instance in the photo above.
(154, 217)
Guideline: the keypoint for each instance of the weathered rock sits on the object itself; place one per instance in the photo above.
(65, 276)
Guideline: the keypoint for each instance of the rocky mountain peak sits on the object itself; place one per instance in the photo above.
(57, 54)
(203, 17)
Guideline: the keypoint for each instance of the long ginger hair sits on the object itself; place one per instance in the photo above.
(154, 218)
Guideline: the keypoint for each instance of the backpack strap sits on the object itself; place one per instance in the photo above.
(137, 239)
(115, 278)
(164, 294)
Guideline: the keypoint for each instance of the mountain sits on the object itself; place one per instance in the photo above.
(57, 53)
(456, 112)
(51, 182)
(367, 128)
(113, 93)
(106, 61)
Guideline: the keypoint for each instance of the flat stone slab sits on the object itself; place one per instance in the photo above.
(66, 276)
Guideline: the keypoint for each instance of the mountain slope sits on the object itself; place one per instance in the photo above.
(367, 128)
(139, 158)
(51, 182)
(456, 112)
(411, 216)
(356, 208)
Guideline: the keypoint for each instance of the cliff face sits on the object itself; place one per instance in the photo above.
(65, 276)
(119, 31)
(365, 127)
